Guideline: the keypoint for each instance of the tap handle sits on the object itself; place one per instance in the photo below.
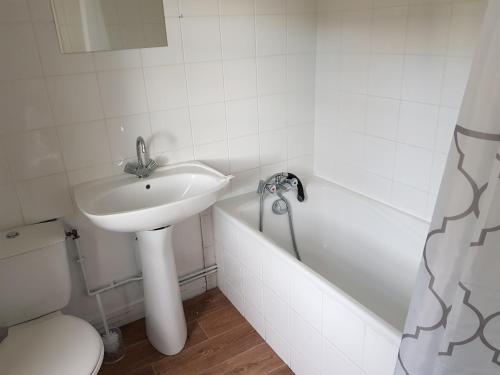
(300, 188)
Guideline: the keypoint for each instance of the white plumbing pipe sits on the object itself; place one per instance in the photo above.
(115, 284)
(103, 315)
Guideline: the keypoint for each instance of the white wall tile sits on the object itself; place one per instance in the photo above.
(428, 27)
(277, 314)
(272, 112)
(237, 7)
(199, 7)
(352, 113)
(270, 6)
(198, 48)
(33, 154)
(438, 167)
(422, 78)
(417, 124)
(45, 198)
(70, 108)
(278, 343)
(391, 50)
(244, 153)
(208, 123)
(382, 117)
(389, 30)
(87, 174)
(253, 291)
(379, 156)
(14, 11)
(306, 299)
(123, 92)
(276, 274)
(344, 329)
(238, 37)
(334, 362)
(356, 31)
(273, 147)
(413, 166)
(166, 87)
(9, 206)
(306, 340)
(214, 154)
(242, 117)
(300, 69)
(354, 73)
(300, 140)
(109, 60)
(329, 32)
(385, 75)
(171, 130)
(301, 107)
(270, 34)
(446, 125)
(456, 76)
(244, 182)
(76, 141)
(171, 54)
(464, 30)
(301, 33)
(240, 79)
(19, 57)
(40, 11)
(271, 75)
(205, 83)
(299, 6)
(53, 61)
(409, 199)
(123, 133)
(24, 105)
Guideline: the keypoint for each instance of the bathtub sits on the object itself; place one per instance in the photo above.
(339, 311)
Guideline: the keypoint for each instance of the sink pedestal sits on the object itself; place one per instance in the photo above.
(165, 321)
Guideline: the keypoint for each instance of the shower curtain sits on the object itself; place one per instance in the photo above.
(453, 325)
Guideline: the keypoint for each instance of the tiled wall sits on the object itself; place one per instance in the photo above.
(234, 88)
(390, 78)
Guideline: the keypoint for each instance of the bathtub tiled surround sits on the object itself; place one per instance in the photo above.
(314, 327)
(234, 88)
(390, 76)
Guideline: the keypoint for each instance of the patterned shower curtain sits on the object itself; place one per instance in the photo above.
(453, 325)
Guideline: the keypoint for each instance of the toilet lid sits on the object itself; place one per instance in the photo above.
(53, 345)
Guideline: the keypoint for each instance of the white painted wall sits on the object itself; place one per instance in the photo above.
(234, 88)
(390, 79)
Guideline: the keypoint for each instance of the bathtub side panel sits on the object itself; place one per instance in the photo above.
(313, 328)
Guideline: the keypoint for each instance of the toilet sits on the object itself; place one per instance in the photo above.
(35, 285)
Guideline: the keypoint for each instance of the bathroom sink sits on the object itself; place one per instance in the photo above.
(171, 194)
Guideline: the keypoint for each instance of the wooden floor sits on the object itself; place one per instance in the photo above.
(220, 342)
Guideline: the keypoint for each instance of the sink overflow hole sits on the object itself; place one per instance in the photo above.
(148, 186)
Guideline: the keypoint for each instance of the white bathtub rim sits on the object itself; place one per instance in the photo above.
(376, 322)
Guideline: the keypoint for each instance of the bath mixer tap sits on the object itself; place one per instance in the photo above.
(281, 182)
(144, 166)
(278, 184)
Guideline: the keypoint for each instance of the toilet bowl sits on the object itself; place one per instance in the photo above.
(55, 344)
(34, 286)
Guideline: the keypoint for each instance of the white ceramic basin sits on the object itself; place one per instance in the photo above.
(126, 203)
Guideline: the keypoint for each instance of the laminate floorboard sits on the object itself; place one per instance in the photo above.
(220, 342)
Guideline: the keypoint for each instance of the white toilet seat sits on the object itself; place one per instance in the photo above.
(55, 344)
